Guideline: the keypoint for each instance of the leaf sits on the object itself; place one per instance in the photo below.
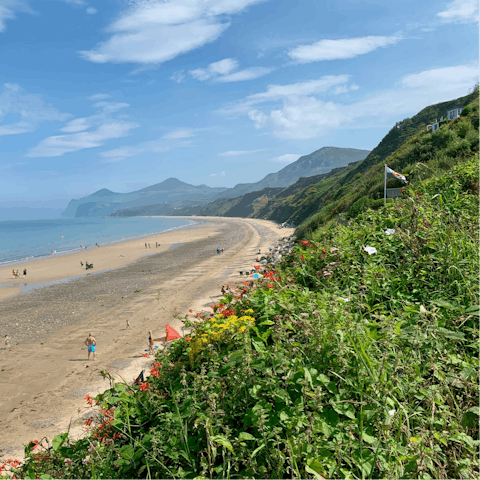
(257, 450)
(127, 452)
(222, 441)
(308, 377)
(344, 408)
(246, 436)
(473, 310)
(267, 322)
(58, 441)
(475, 410)
(450, 334)
(313, 472)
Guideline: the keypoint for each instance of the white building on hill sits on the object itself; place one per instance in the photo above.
(455, 113)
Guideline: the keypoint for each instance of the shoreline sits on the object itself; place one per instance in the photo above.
(54, 361)
(66, 267)
(61, 253)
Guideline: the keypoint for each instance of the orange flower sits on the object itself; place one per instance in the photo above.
(144, 386)
(269, 285)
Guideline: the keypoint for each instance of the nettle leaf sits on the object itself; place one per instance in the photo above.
(222, 441)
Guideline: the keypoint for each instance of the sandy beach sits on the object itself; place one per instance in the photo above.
(45, 376)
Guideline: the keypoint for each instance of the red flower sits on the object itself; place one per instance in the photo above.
(324, 251)
(304, 242)
(256, 267)
(89, 399)
(302, 258)
(144, 386)
(269, 285)
(145, 355)
(245, 283)
(191, 311)
(228, 284)
(154, 372)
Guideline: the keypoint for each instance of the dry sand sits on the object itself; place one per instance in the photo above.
(45, 376)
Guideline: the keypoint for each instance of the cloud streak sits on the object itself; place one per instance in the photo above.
(237, 153)
(29, 110)
(460, 11)
(87, 132)
(226, 71)
(155, 31)
(8, 10)
(340, 49)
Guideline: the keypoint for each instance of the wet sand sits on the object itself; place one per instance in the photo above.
(45, 376)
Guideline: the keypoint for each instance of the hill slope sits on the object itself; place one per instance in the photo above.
(318, 162)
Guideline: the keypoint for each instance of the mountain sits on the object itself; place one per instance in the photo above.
(318, 162)
(105, 202)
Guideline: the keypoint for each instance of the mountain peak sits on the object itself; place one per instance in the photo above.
(103, 192)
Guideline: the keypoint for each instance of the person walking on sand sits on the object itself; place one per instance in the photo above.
(128, 326)
(145, 244)
(150, 343)
(90, 342)
(149, 246)
(81, 262)
(18, 273)
(7, 342)
(24, 272)
(13, 272)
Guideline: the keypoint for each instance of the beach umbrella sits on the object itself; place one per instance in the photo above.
(172, 334)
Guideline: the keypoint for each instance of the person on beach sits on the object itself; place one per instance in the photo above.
(223, 290)
(150, 343)
(145, 244)
(13, 272)
(7, 342)
(24, 272)
(149, 246)
(90, 342)
(18, 273)
(129, 328)
(81, 262)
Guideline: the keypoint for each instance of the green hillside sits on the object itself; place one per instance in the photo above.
(419, 155)
(337, 364)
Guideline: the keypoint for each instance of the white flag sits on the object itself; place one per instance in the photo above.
(392, 174)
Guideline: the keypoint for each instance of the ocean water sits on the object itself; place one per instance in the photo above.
(31, 239)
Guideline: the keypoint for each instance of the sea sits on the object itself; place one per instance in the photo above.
(28, 240)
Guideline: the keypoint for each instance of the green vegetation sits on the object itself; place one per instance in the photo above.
(338, 364)
(423, 154)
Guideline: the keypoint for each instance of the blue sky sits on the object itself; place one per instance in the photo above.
(121, 94)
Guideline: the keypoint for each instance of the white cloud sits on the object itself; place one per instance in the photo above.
(222, 67)
(77, 125)
(221, 174)
(28, 110)
(460, 11)
(8, 9)
(92, 10)
(280, 92)
(236, 153)
(286, 159)
(307, 115)
(155, 31)
(223, 71)
(87, 132)
(178, 76)
(340, 49)
(246, 74)
(179, 134)
(99, 96)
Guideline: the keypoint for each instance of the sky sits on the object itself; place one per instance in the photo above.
(122, 94)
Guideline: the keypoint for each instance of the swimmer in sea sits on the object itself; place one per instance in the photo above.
(90, 342)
